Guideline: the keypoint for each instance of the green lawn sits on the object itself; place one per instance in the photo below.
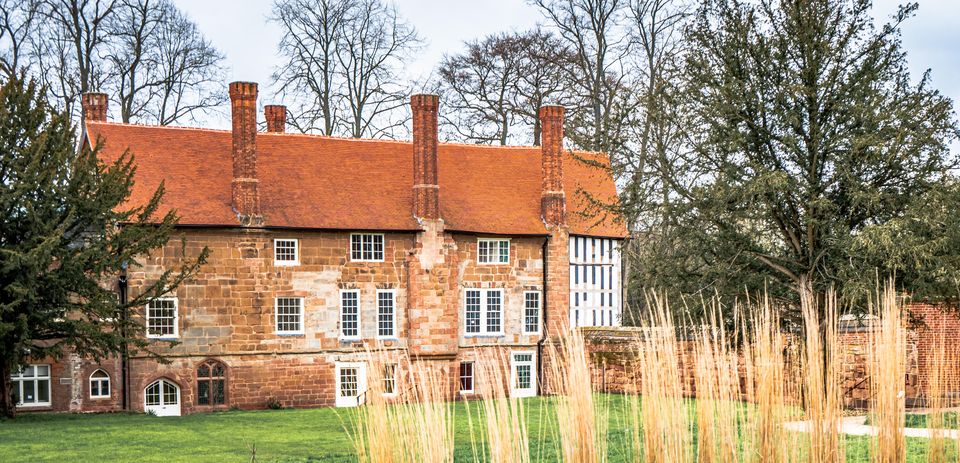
(279, 436)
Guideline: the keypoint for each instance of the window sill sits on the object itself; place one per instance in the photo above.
(164, 338)
(350, 339)
(35, 406)
(484, 335)
(98, 398)
(387, 338)
(285, 264)
(290, 334)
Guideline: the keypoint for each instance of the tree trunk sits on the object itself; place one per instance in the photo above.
(8, 408)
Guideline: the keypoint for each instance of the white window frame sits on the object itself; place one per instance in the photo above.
(383, 247)
(484, 312)
(473, 378)
(532, 390)
(393, 379)
(19, 379)
(340, 334)
(176, 319)
(538, 309)
(393, 322)
(101, 381)
(296, 253)
(350, 401)
(498, 242)
(300, 316)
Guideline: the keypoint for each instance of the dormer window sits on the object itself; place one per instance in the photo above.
(493, 251)
(366, 247)
(286, 252)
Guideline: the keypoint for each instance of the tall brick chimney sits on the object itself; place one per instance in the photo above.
(246, 198)
(553, 206)
(426, 188)
(94, 106)
(276, 116)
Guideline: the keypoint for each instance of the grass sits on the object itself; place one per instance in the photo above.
(290, 436)
(921, 420)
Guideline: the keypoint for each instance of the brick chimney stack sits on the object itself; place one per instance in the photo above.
(426, 188)
(94, 106)
(246, 198)
(276, 116)
(552, 200)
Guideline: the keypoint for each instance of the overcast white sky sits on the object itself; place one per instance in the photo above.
(241, 30)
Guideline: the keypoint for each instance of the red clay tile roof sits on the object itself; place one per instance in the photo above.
(309, 181)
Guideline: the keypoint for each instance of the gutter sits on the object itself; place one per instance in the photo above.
(124, 352)
(543, 310)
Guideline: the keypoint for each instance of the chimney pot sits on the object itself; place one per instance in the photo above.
(552, 199)
(426, 188)
(276, 116)
(94, 106)
(245, 195)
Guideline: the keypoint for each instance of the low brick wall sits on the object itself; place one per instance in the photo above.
(615, 367)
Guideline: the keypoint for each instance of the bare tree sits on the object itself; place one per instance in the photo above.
(17, 20)
(542, 78)
(376, 42)
(343, 59)
(593, 29)
(163, 67)
(312, 32)
(480, 91)
(68, 46)
(497, 84)
(145, 52)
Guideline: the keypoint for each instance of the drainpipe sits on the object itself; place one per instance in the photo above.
(543, 310)
(124, 353)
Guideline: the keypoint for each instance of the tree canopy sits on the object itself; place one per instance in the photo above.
(65, 237)
(812, 158)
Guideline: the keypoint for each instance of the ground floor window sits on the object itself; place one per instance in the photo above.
(351, 384)
(390, 379)
(31, 386)
(99, 385)
(466, 377)
(211, 383)
(523, 379)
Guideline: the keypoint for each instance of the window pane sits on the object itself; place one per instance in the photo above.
(493, 311)
(105, 387)
(285, 250)
(356, 247)
(161, 317)
(504, 252)
(385, 315)
(523, 377)
(348, 382)
(203, 392)
(531, 312)
(473, 311)
(153, 394)
(289, 314)
(349, 314)
(389, 378)
(169, 394)
(203, 371)
(466, 376)
(219, 392)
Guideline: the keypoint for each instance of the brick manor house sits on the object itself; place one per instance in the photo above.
(324, 247)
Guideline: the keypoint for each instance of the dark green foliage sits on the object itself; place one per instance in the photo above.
(814, 160)
(65, 237)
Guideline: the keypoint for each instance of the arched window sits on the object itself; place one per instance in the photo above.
(99, 385)
(211, 383)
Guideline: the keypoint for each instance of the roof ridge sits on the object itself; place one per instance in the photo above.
(336, 137)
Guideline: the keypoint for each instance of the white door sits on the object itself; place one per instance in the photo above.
(351, 384)
(162, 398)
(523, 374)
